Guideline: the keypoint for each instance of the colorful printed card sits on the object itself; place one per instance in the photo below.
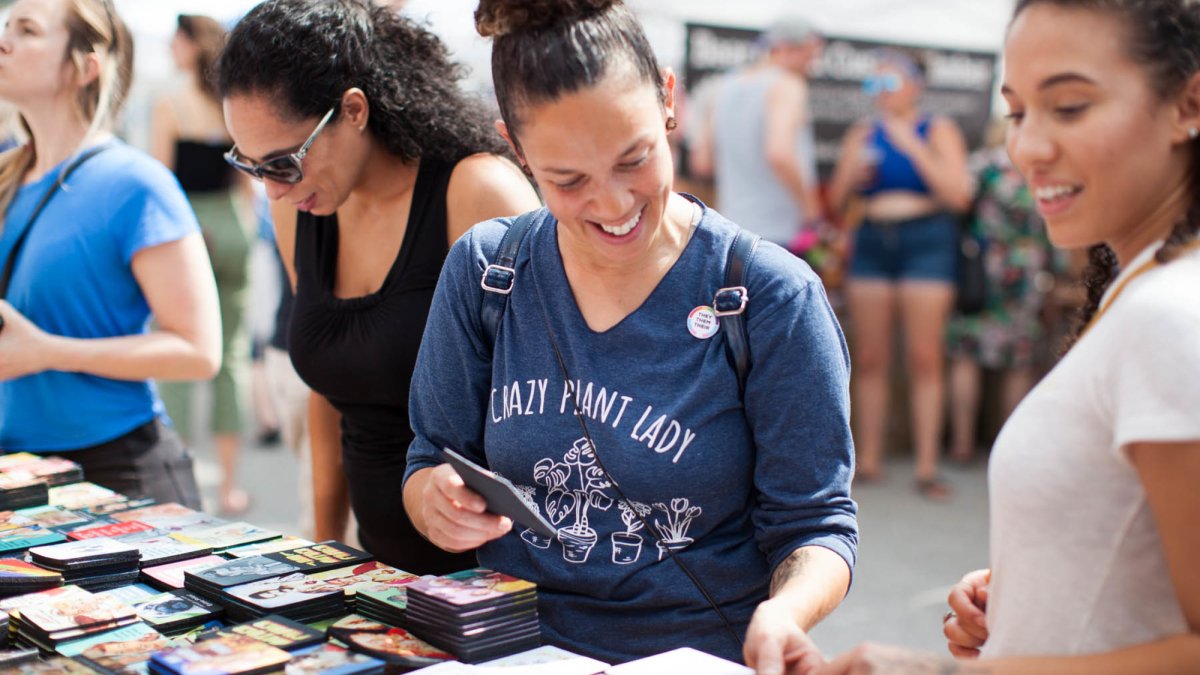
(171, 574)
(140, 634)
(230, 654)
(370, 576)
(322, 556)
(471, 586)
(229, 535)
(176, 608)
(110, 530)
(284, 543)
(240, 571)
(278, 631)
(82, 495)
(155, 511)
(76, 612)
(329, 659)
(12, 569)
(21, 602)
(15, 459)
(24, 537)
(293, 589)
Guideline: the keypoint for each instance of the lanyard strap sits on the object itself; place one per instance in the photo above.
(11, 263)
(1141, 269)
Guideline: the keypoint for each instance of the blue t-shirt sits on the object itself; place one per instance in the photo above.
(73, 278)
(732, 489)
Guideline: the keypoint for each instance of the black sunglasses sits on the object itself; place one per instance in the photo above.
(285, 168)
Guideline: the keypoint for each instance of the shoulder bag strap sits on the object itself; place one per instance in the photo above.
(11, 263)
(499, 276)
(730, 304)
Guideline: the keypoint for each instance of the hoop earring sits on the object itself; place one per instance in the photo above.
(671, 123)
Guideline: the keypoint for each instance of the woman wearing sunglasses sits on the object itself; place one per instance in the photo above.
(88, 258)
(910, 170)
(352, 117)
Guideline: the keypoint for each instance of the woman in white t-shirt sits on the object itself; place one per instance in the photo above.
(1094, 498)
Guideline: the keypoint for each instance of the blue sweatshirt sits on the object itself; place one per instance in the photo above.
(733, 489)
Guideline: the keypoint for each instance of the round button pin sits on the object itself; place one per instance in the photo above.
(702, 322)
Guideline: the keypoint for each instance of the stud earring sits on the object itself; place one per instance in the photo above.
(1193, 133)
(671, 123)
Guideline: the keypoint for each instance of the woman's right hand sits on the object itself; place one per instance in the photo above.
(966, 627)
(456, 517)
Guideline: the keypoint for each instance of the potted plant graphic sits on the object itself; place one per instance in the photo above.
(627, 545)
(533, 538)
(679, 518)
(574, 485)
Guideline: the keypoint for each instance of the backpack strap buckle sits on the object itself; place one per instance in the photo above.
(730, 301)
(498, 279)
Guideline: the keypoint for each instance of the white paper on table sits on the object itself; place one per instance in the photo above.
(682, 660)
(544, 660)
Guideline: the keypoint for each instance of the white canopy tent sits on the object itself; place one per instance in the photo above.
(964, 24)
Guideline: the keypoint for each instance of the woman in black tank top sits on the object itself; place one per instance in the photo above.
(375, 161)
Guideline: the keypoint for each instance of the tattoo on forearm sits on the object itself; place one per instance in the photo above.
(791, 567)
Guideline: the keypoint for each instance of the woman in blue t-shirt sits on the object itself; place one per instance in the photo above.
(677, 468)
(114, 244)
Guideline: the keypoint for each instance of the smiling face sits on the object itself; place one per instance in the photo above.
(601, 160)
(1104, 155)
(33, 64)
(335, 160)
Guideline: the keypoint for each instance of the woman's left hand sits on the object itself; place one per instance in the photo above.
(869, 658)
(775, 645)
(22, 345)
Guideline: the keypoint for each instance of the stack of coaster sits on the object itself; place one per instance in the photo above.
(475, 614)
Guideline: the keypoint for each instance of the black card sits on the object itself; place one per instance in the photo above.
(501, 496)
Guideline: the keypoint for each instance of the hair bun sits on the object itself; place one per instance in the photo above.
(497, 18)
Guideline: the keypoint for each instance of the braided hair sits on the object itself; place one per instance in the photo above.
(1164, 38)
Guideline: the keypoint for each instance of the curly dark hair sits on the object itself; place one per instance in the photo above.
(1163, 36)
(307, 53)
(543, 49)
(209, 37)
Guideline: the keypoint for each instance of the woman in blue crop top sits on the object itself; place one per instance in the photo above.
(909, 169)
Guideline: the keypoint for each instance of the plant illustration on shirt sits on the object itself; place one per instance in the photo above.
(627, 545)
(573, 486)
(525, 492)
(673, 532)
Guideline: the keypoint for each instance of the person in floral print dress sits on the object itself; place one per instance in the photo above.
(1007, 334)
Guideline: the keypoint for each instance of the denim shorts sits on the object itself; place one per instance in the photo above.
(918, 249)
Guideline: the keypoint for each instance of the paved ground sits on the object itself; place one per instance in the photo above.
(911, 550)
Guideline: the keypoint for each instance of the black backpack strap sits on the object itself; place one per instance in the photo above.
(499, 276)
(730, 304)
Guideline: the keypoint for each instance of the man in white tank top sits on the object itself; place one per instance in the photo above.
(762, 137)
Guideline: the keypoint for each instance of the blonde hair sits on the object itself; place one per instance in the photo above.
(93, 27)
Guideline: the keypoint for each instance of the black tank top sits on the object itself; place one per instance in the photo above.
(200, 166)
(359, 353)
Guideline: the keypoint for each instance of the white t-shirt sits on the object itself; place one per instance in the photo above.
(1077, 562)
